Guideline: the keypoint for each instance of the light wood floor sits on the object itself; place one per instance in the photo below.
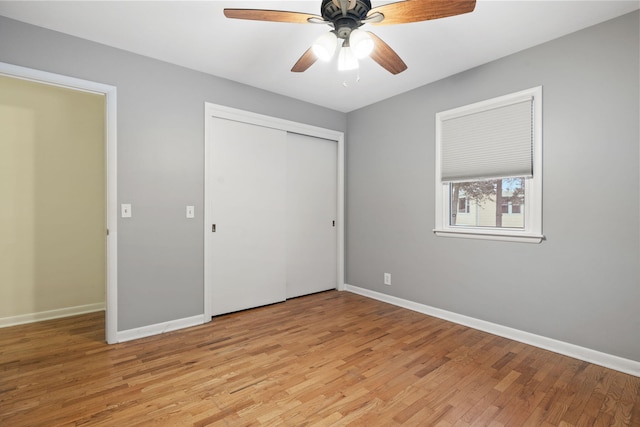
(333, 358)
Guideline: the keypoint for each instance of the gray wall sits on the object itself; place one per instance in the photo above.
(581, 285)
(160, 159)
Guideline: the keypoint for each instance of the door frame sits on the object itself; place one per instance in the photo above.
(109, 92)
(224, 112)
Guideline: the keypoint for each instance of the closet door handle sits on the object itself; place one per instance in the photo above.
(213, 228)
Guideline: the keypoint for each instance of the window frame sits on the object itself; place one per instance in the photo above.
(532, 231)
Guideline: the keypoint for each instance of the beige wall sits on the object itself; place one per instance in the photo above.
(52, 198)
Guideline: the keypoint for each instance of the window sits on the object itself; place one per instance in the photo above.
(463, 205)
(488, 169)
(490, 208)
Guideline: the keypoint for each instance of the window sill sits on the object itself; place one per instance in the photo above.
(504, 236)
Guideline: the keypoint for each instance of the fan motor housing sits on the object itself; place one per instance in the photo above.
(343, 24)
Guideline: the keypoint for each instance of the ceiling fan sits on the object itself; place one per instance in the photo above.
(346, 17)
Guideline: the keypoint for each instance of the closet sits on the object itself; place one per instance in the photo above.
(271, 229)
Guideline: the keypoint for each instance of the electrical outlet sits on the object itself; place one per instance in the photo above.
(387, 279)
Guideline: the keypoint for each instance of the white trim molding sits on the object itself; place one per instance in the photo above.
(22, 319)
(610, 361)
(109, 92)
(160, 328)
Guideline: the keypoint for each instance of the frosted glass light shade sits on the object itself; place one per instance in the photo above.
(347, 59)
(325, 46)
(361, 43)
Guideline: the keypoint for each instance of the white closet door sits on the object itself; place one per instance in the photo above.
(247, 200)
(311, 214)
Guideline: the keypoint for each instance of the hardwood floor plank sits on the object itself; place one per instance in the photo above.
(333, 358)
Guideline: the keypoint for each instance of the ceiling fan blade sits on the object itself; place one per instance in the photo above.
(306, 60)
(403, 12)
(386, 57)
(270, 15)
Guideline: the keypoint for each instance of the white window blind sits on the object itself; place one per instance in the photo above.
(489, 143)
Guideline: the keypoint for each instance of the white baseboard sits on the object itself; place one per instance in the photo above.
(50, 314)
(617, 363)
(159, 328)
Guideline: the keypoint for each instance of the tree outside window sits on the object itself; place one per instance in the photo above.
(485, 206)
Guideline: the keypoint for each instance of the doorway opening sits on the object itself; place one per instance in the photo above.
(108, 126)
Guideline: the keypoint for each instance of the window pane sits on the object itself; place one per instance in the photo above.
(462, 204)
(486, 207)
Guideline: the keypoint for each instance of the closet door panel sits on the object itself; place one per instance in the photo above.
(247, 200)
(311, 214)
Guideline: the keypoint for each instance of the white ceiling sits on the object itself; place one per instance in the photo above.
(196, 35)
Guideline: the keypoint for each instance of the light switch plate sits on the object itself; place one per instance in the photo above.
(191, 212)
(125, 210)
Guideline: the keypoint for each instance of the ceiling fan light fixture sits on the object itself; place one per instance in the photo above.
(347, 59)
(361, 43)
(346, 17)
(325, 46)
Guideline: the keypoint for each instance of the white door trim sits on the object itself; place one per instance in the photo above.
(229, 113)
(111, 324)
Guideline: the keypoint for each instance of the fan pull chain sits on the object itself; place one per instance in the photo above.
(357, 79)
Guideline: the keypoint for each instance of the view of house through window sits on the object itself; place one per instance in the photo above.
(488, 203)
